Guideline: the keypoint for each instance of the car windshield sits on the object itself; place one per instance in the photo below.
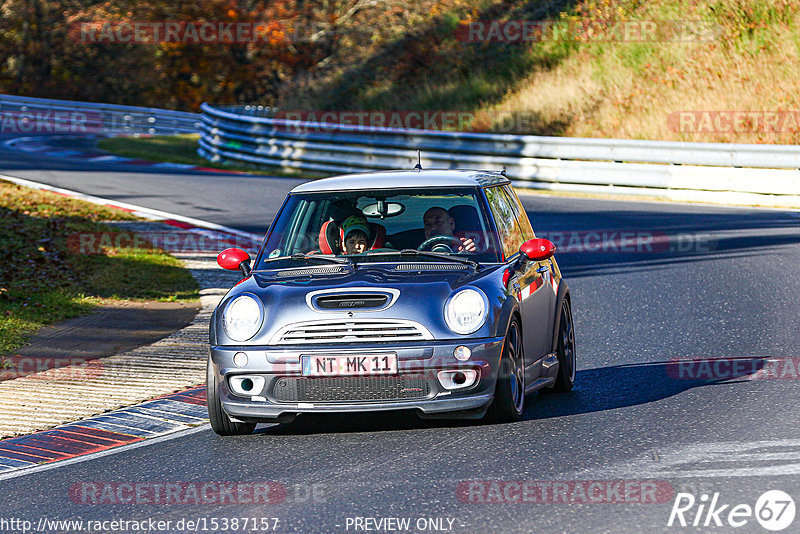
(369, 226)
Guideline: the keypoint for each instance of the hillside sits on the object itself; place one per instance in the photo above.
(723, 56)
(594, 68)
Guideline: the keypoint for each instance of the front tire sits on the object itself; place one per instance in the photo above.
(220, 422)
(509, 393)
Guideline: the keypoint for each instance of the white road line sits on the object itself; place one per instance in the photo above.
(141, 211)
(108, 157)
(11, 142)
(170, 165)
(116, 450)
(524, 189)
(708, 460)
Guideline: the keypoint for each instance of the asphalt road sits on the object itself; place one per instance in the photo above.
(239, 201)
(705, 282)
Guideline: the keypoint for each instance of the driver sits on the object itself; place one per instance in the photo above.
(438, 221)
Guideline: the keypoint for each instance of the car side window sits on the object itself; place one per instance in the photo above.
(519, 212)
(505, 217)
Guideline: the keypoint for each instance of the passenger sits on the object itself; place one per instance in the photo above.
(438, 221)
(356, 231)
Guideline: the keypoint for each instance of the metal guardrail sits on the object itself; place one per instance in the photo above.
(248, 134)
(25, 115)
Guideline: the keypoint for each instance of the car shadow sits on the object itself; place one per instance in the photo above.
(596, 390)
(622, 386)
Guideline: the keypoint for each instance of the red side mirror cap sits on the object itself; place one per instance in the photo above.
(232, 259)
(538, 249)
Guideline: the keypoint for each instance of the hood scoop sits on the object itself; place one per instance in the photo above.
(337, 302)
(343, 299)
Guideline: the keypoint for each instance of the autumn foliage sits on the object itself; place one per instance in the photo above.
(46, 53)
(719, 57)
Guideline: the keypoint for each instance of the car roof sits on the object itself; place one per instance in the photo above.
(415, 179)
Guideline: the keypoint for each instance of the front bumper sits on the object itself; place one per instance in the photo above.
(418, 366)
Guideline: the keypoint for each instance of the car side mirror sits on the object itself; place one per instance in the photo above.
(537, 249)
(234, 259)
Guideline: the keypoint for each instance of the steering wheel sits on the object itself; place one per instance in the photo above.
(448, 242)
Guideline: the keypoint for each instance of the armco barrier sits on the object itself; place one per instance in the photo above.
(29, 112)
(765, 174)
(248, 134)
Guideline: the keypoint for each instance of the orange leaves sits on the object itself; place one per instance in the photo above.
(274, 32)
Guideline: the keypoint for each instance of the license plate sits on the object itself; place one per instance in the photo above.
(354, 364)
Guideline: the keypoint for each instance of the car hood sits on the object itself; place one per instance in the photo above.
(421, 295)
(450, 274)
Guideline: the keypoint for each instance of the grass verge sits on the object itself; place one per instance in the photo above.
(180, 148)
(44, 280)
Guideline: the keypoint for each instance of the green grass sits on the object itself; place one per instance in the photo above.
(178, 149)
(45, 280)
(172, 148)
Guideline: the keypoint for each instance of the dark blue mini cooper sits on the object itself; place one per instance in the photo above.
(408, 290)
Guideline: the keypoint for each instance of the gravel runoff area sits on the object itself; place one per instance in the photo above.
(50, 398)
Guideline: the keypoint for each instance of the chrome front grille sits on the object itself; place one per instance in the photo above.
(350, 331)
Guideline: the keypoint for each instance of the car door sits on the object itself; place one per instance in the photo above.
(545, 293)
(532, 291)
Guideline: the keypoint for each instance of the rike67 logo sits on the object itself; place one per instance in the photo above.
(774, 510)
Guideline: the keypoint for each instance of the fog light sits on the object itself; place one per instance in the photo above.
(457, 379)
(462, 353)
(247, 386)
(240, 359)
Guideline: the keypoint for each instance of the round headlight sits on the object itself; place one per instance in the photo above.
(465, 311)
(242, 318)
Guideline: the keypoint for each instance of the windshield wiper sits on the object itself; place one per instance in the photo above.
(438, 255)
(319, 257)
